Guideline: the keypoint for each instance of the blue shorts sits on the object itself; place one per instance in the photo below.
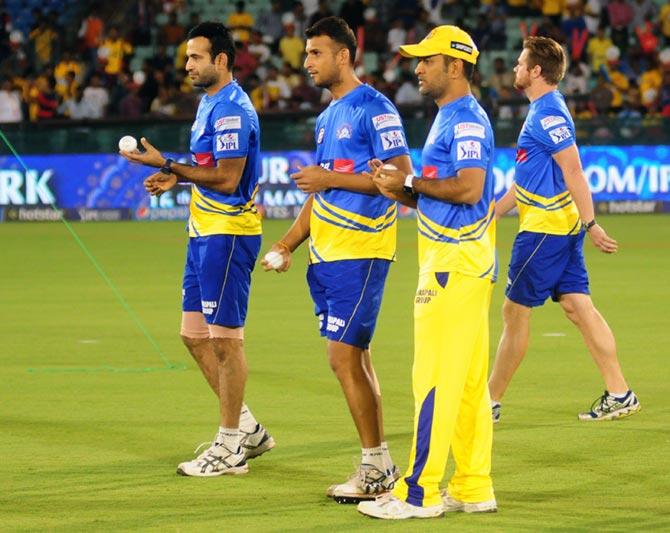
(544, 265)
(217, 277)
(347, 296)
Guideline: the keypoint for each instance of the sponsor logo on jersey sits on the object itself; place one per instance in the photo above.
(204, 159)
(228, 123)
(392, 139)
(560, 134)
(343, 132)
(227, 141)
(469, 129)
(386, 121)
(343, 165)
(469, 150)
(319, 136)
(429, 171)
(553, 120)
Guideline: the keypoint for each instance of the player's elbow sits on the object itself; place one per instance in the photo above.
(471, 197)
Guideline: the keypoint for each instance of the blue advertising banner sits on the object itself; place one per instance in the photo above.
(76, 182)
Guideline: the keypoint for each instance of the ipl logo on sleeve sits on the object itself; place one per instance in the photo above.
(469, 150)
(227, 141)
(558, 135)
(392, 139)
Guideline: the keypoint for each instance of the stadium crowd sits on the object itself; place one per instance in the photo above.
(619, 54)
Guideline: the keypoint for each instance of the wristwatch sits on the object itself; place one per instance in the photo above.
(167, 166)
(589, 225)
(408, 186)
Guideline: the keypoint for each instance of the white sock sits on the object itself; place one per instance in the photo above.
(618, 395)
(386, 456)
(495, 404)
(374, 457)
(247, 421)
(230, 438)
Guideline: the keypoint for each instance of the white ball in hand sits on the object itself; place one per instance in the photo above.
(127, 143)
(274, 259)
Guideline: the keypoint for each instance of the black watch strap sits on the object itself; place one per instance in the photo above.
(167, 166)
(589, 225)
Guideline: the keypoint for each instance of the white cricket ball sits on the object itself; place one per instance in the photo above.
(389, 167)
(274, 259)
(127, 143)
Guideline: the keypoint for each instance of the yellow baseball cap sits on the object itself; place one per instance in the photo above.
(444, 40)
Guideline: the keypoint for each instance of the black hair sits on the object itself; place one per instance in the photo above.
(338, 30)
(220, 40)
(468, 68)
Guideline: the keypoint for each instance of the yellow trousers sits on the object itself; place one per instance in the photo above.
(451, 399)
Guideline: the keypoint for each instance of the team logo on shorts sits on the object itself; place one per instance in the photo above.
(227, 141)
(343, 132)
(469, 150)
(335, 323)
(558, 135)
(319, 137)
(392, 139)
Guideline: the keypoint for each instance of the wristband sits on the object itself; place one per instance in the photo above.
(589, 225)
(167, 166)
(408, 186)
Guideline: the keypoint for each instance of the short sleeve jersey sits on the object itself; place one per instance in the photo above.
(354, 129)
(458, 237)
(544, 202)
(226, 126)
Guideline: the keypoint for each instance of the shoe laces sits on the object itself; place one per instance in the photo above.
(604, 403)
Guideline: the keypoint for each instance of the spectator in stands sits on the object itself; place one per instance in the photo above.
(258, 48)
(397, 36)
(652, 78)
(161, 60)
(299, 18)
(91, 32)
(601, 96)
(620, 16)
(42, 40)
(255, 91)
(10, 103)
(113, 53)
(646, 38)
(245, 62)
(664, 20)
(65, 66)
(95, 99)
(574, 29)
(616, 80)
(593, 15)
(504, 110)
(323, 12)
(68, 89)
(500, 77)
(643, 11)
(352, 13)
(275, 90)
(289, 76)
(47, 100)
(172, 33)
(553, 10)
(291, 47)
(304, 95)
(663, 96)
(374, 32)
(269, 23)
(240, 22)
(577, 79)
(164, 104)
(597, 48)
(73, 108)
(408, 94)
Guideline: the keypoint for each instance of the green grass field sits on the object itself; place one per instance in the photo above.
(89, 438)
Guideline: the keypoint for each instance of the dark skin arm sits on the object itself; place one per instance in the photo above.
(224, 177)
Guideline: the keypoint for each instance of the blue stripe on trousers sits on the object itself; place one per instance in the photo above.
(425, 426)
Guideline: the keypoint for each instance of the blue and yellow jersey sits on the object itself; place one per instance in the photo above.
(458, 237)
(544, 202)
(226, 126)
(360, 126)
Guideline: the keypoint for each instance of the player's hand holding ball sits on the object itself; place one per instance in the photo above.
(277, 259)
(128, 143)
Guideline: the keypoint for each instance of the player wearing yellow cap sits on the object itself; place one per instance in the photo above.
(456, 225)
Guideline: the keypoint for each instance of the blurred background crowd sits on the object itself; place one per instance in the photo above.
(70, 59)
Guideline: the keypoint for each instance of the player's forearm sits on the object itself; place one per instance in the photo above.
(506, 202)
(216, 178)
(581, 195)
(456, 190)
(299, 230)
(351, 182)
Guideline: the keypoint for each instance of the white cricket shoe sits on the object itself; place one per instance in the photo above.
(366, 483)
(452, 505)
(256, 443)
(217, 460)
(607, 407)
(388, 507)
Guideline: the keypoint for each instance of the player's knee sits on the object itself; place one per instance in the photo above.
(514, 314)
(228, 348)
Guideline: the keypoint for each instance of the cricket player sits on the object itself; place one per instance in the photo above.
(555, 212)
(224, 241)
(352, 237)
(457, 268)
